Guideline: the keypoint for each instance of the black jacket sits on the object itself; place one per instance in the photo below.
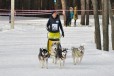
(54, 25)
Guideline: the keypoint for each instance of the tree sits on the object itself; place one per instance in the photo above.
(83, 12)
(74, 3)
(105, 25)
(57, 4)
(87, 12)
(0, 4)
(112, 24)
(12, 13)
(41, 4)
(38, 4)
(100, 6)
(28, 4)
(67, 3)
(64, 9)
(97, 26)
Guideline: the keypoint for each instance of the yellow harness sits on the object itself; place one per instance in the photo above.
(54, 35)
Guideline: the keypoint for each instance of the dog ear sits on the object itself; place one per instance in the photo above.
(45, 50)
(59, 45)
(66, 51)
(40, 49)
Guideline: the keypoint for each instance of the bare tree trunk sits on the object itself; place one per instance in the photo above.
(28, 5)
(112, 23)
(83, 12)
(44, 3)
(64, 9)
(57, 4)
(12, 13)
(105, 25)
(41, 4)
(17, 4)
(97, 25)
(0, 4)
(87, 12)
(74, 3)
(38, 4)
(100, 6)
(68, 3)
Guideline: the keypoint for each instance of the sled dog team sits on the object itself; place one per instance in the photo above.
(58, 54)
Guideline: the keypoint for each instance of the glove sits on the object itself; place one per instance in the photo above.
(63, 34)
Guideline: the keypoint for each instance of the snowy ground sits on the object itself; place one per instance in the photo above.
(19, 49)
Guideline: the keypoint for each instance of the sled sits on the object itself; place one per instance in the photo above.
(52, 38)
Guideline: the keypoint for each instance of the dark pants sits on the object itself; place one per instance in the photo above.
(74, 22)
(68, 21)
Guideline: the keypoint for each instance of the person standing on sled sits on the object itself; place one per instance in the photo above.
(53, 27)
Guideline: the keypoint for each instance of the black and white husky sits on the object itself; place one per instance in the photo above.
(60, 55)
(53, 51)
(43, 57)
(77, 54)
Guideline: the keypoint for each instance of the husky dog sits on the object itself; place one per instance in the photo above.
(64, 53)
(60, 55)
(43, 57)
(53, 51)
(77, 54)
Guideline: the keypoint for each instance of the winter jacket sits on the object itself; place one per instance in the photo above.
(54, 25)
(71, 14)
(75, 13)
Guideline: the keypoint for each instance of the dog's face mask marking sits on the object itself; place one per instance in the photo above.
(64, 53)
(81, 48)
(54, 47)
(44, 52)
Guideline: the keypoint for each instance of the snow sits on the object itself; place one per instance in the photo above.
(19, 49)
